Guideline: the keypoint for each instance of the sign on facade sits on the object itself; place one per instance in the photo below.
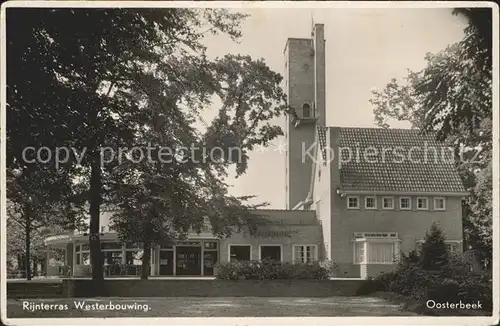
(276, 234)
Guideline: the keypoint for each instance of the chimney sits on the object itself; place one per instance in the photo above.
(319, 73)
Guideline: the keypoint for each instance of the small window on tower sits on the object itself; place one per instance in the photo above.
(306, 110)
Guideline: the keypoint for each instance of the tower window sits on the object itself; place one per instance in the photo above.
(306, 110)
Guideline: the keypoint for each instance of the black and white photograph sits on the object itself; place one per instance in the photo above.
(241, 163)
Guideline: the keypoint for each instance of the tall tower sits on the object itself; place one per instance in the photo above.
(305, 86)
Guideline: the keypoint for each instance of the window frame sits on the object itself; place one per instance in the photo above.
(419, 242)
(365, 242)
(392, 200)
(444, 203)
(357, 201)
(304, 246)
(457, 243)
(306, 107)
(374, 200)
(426, 208)
(401, 206)
(271, 245)
(237, 245)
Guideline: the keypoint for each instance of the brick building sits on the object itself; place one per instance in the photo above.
(355, 196)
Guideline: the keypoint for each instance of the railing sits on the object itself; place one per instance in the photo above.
(122, 270)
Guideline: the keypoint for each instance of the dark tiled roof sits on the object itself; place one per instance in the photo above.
(400, 160)
(322, 140)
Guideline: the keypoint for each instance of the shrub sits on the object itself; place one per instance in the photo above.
(270, 270)
(434, 255)
(453, 283)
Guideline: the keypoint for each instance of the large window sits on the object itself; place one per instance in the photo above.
(305, 253)
(112, 253)
(82, 254)
(381, 253)
(376, 248)
(270, 252)
(240, 252)
(133, 254)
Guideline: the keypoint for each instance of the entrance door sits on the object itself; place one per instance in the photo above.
(188, 261)
(166, 262)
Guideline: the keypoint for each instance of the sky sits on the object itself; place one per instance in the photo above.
(365, 48)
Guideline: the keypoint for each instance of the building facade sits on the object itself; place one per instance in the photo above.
(355, 196)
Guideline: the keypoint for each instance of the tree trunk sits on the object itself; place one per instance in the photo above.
(35, 267)
(146, 259)
(95, 210)
(27, 234)
(20, 262)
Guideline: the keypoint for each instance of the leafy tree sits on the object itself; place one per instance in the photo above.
(16, 240)
(34, 208)
(108, 74)
(452, 96)
(434, 254)
(162, 200)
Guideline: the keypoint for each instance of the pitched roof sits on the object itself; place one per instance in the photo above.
(399, 160)
(322, 141)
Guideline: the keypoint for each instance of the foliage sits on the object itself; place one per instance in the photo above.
(452, 96)
(454, 281)
(434, 254)
(133, 77)
(270, 270)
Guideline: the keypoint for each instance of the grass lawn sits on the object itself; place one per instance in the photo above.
(215, 307)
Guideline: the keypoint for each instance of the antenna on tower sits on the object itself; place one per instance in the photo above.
(312, 24)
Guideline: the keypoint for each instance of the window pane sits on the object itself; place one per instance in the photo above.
(370, 202)
(359, 248)
(299, 254)
(270, 253)
(306, 110)
(188, 243)
(422, 203)
(405, 203)
(85, 258)
(353, 202)
(387, 202)
(239, 253)
(112, 257)
(381, 252)
(439, 203)
(310, 254)
(84, 247)
(210, 245)
(134, 257)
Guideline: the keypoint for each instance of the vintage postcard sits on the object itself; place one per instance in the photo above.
(249, 163)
